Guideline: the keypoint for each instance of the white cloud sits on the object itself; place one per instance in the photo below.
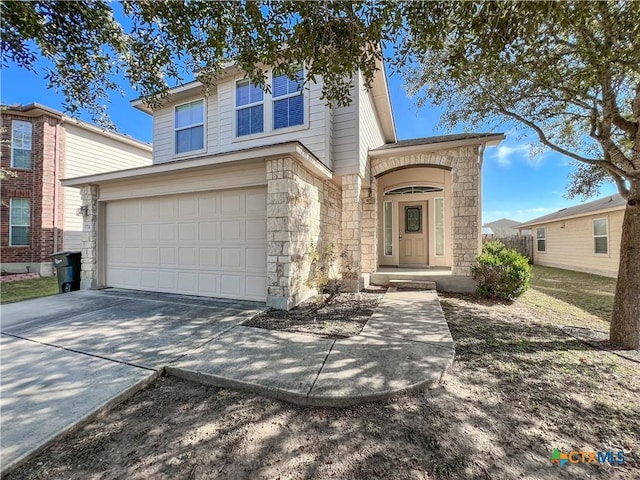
(504, 153)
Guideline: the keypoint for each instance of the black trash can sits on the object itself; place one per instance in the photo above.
(67, 270)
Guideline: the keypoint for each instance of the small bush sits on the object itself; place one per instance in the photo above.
(501, 272)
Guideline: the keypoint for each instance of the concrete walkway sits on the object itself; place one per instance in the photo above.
(406, 345)
(66, 357)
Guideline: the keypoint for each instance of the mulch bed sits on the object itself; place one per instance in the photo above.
(342, 316)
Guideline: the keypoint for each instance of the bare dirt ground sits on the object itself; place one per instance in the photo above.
(519, 388)
(344, 315)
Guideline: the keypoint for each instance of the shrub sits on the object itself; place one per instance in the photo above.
(501, 272)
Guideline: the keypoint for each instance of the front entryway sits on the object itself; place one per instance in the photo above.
(413, 234)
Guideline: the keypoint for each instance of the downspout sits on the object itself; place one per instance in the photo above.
(55, 189)
(483, 146)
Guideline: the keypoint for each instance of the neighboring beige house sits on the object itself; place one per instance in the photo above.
(244, 182)
(40, 146)
(585, 238)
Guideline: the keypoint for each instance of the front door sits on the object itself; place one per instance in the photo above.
(413, 234)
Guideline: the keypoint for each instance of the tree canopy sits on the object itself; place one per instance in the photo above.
(569, 71)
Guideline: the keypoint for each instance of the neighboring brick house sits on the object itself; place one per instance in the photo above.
(244, 182)
(41, 146)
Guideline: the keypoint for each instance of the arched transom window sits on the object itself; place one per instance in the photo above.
(413, 189)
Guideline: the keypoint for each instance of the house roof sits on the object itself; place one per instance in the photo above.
(504, 225)
(37, 110)
(611, 202)
(487, 231)
(276, 150)
(456, 137)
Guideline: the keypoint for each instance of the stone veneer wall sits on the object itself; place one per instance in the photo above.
(302, 210)
(89, 272)
(369, 228)
(351, 232)
(466, 195)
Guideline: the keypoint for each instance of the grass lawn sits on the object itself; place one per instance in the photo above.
(574, 298)
(25, 289)
(518, 389)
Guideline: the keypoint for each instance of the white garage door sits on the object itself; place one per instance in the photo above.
(208, 243)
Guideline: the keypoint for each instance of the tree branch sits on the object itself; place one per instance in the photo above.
(609, 166)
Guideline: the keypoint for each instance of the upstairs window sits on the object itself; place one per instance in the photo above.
(600, 236)
(189, 127)
(19, 221)
(541, 237)
(249, 108)
(21, 133)
(288, 100)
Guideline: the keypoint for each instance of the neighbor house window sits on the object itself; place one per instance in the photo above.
(439, 206)
(189, 127)
(19, 221)
(541, 236)
(600, 236)
(249, 108)
(21, 133)
(288, 100)
(388, 228)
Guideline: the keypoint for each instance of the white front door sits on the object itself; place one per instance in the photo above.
(413, 234)
(207, 243)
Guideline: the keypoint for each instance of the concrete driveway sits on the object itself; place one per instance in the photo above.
(66, 356)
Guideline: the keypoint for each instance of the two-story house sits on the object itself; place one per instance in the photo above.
(244, 182)
(40, 146)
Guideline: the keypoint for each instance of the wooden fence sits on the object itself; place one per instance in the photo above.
(520, 243)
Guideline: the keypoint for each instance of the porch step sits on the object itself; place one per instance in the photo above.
(413, 284)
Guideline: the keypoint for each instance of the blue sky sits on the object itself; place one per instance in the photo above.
(515, 185)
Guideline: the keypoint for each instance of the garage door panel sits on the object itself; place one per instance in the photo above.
(206, 243)
(231, 231)
(232, 204)
(256, 229)
(209, 257)
(256, 259)
(208, 231)
(187, 232)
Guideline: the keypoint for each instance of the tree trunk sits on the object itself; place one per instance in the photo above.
(625, 322)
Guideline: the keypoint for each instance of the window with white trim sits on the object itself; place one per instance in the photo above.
(189, 127)
(249, 108)
(600, 236)
(541, 237)
(21, 138)
(19, 221)
(288, 100)
(439, 224)
(388, 228)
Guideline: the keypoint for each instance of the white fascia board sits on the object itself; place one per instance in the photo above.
(432, 147)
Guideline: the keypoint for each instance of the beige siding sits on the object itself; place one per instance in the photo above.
(311, 135)
(371, 135)
(570, 245)
(89, 152)
(163, 135)
(220, 127)
(345, 137)
(242, 174)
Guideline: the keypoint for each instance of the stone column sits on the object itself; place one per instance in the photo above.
(89, 272)
(370, 228)
(351, 232)
(465, 184)
(293, 226)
